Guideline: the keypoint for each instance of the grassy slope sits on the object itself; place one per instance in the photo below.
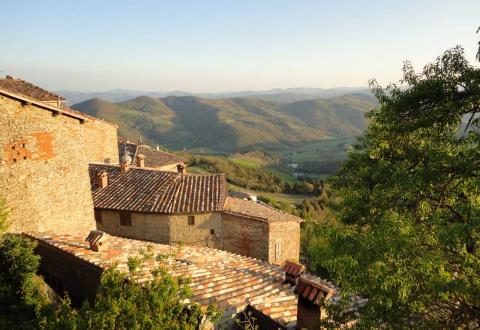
(232, 125)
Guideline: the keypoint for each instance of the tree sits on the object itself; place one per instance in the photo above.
(21, 290)
(408, 197)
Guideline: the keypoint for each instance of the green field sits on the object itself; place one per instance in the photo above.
(331, 149)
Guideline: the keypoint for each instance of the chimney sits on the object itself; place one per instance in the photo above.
(180, 168)
(293, 272)
(124, 167)
(157, 148)
(311, 292)
(97, 240)
(9, 77)
(102, 179)
(140, 142)
(140, 160)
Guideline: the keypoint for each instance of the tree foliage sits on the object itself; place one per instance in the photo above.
(123, 302)
(409, 201)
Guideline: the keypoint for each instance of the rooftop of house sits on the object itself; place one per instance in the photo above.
(154, 157)
(28, 93)
(227, 280)
(256, 210)
(22, 87)
(149, 190)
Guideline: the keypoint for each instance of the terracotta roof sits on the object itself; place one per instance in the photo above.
(22, 87)
(313, 289)
(36, 97)
(228, 280)
(148, 190)
(153, 157)
(256, 210)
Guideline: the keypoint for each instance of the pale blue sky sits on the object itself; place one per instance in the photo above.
(225, 45)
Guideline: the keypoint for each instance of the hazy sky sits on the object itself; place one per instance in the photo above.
(226, 45)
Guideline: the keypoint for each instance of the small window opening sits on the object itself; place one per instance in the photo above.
(212, 231)
(125, 219)
(191, 220)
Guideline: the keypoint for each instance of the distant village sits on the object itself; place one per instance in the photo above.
(91, 199)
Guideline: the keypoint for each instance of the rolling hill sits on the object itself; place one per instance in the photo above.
(232, 124)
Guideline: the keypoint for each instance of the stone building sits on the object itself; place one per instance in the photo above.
(142, 155)
(277, 298)
(170, 208)
(44, 153)
(260, 231)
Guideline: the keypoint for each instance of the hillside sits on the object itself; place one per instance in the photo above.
(283, 95)
(232, 124)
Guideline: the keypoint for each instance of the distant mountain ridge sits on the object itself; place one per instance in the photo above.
(232, 124)
(273, 95)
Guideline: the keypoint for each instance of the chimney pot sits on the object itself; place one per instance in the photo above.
(124, 167)
(96, 239)
(180, 168)
(311, 292)
(102, 178)
(140, 160)
(293, 272)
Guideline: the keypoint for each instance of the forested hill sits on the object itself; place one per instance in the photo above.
(232, 124)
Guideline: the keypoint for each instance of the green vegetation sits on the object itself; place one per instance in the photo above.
(27, 303)
(232, 124)
(407, 199)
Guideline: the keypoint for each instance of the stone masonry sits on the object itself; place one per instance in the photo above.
(44, 159)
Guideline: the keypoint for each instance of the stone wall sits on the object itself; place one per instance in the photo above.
(284, 241)
(44, 168)
(101, 142)
(245, 236)
(166, 229)
(270, 241)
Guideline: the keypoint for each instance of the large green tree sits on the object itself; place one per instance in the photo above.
(408, 197)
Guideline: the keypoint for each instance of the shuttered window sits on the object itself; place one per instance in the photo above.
(278, 250)
(125, 219)
(191, 220)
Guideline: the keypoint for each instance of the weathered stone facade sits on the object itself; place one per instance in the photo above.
(283, 241)
(44, 158)
(245, 236)
(164, 228)
(275, 241)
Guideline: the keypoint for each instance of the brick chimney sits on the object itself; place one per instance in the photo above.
(102, 179)
(140, 160)
(97, 240)
(124, 167)
(311, 292)
(181, 168)
(293, 272)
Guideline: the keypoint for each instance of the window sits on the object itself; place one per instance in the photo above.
(98, 215)
(278, 250)
(212, 231)
(191, 220)
(125, 219)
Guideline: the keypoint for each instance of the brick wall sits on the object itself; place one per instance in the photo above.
(284, 241)
(166, 229)
(43, 168)
(245, 236)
